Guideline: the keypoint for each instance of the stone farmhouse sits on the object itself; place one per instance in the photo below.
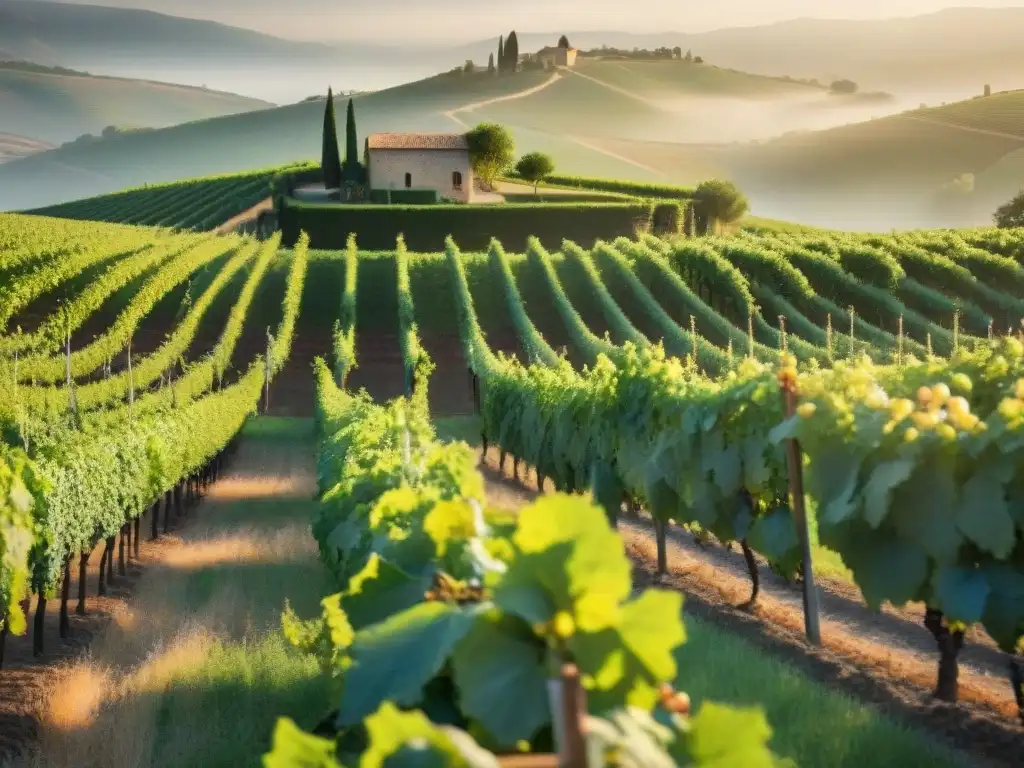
(438, 161)
(557, 56)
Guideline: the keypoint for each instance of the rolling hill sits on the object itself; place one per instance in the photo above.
(13, 147)
(648, 121)
(948, 54)
(545, 112)
(128, 42)
(59, 105)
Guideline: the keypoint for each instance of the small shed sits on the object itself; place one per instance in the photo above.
(436, 161)
(557, 56)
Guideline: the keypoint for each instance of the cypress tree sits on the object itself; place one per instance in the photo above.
(512, 51)
(501, 53)
(329, 159)
(352, 169)
(490, 64)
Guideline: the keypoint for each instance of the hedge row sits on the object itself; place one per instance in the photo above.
(638, 188)
(404, 196)
(426, 227)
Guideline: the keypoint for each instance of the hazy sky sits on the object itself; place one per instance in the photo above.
(475, 19)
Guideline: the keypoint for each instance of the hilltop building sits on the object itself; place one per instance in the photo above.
(557, 56)
(421, 161)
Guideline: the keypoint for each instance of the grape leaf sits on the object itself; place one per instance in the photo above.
(886, 569)
(924, 511)
(499, 671)
(629, 661)
(984, 516)
(877, 493)
(409, 740)
(832, 480)
(1004, 609)
(960, 593)
(381, 590)
(291, 747)
(394, 659)
(721, 737)
(572, 555)
(774, 535)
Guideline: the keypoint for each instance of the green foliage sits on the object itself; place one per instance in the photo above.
(345, 331)
(414, 358)
(843, 86)
(199, 204)
(404, 196)
(150, 368)
(352, 170)
(491, 148)
(534, 168)
(719, 202)
(426, 227)
(22, 495)
(330, 160)
(634, 188)
(510, 599)
(510, 60)
(1010, 214)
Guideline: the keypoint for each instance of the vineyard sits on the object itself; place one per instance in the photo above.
(199, 204)
(836, 407)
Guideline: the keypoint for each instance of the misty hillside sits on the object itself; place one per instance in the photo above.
(562, 113)
(951, 53)
(142, 44)
(56, 106)
(904, 170)
(13, 147)
(946, 55)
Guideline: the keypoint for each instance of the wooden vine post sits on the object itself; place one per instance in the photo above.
(572, 751)
(65, 594)
(812, 623)
(660, 537)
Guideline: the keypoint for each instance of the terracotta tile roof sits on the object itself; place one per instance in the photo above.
(417, 141)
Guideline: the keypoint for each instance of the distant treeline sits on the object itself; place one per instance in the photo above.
(28, 66)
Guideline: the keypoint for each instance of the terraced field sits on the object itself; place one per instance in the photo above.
(201, 204)
(649, 390)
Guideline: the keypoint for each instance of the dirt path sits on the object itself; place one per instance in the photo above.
(250, 213)
(614, 155)
(618, 89)
(451, 114)
(197, 652)
(886, 659)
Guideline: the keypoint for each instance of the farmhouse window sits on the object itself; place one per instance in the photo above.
(456, 180)
(408, 181)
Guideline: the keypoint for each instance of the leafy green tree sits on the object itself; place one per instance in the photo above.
(329, 158)
(501, 53)
(718, 202)
(534, 168)
(843, 86)
(491, 150)
(677, 52)
(1011, 214)
(490, 64)
(352, 170)
(563, 42)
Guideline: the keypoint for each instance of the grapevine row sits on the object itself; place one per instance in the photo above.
(445, 601)
(711, 452)
(184, 262)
